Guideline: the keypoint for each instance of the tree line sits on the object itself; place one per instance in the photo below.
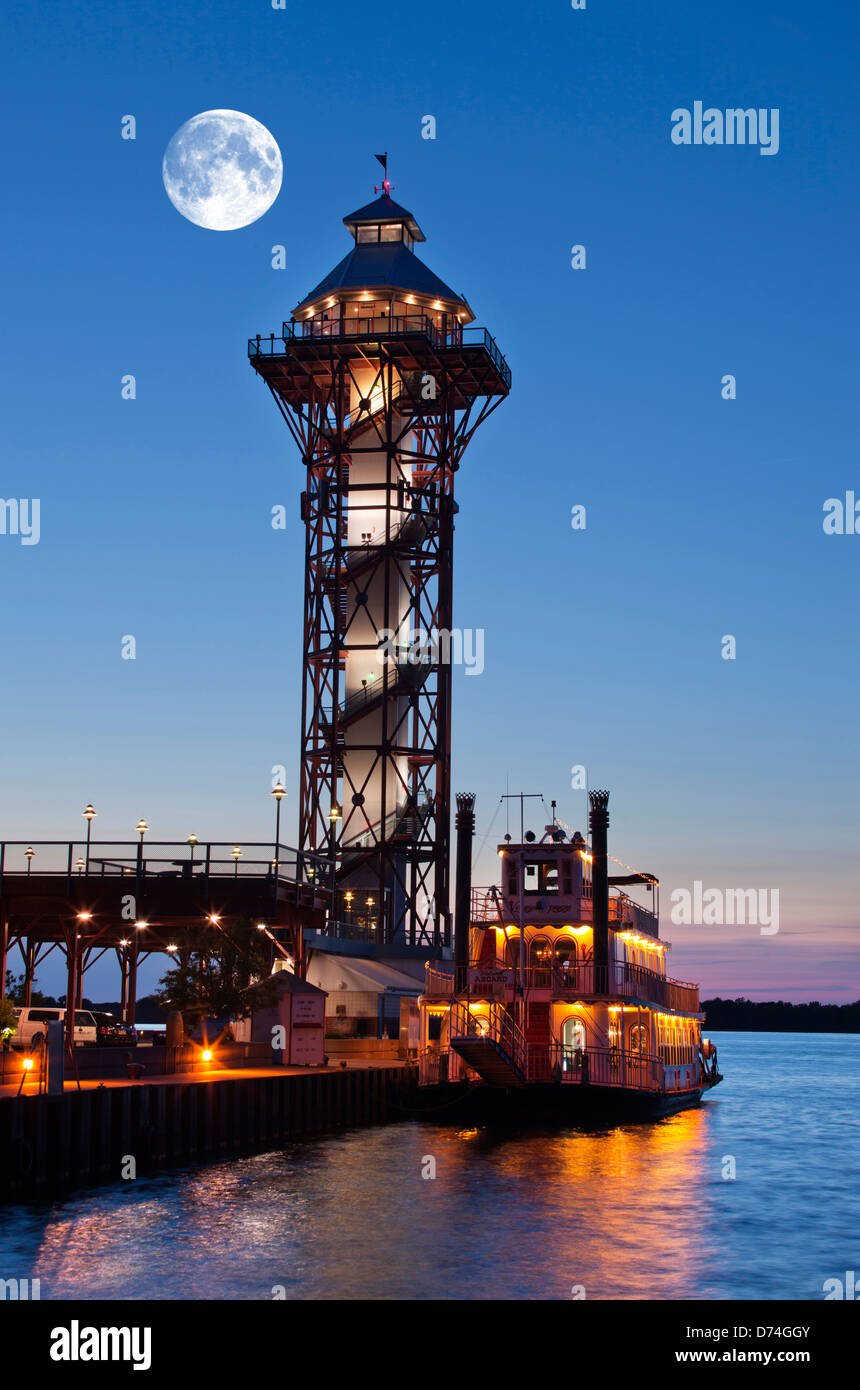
(777, 1016)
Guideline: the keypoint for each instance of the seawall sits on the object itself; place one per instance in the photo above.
(52, 1143)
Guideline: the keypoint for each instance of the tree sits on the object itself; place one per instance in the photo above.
(15, 986)
(213, 970)
(8, 1022)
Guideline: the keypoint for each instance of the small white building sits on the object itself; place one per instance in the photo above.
(365, 998)
(300, 1012)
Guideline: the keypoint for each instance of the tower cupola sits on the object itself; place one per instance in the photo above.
(381, 276)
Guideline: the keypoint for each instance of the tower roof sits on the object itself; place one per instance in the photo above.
(384, 209)
(384, 266)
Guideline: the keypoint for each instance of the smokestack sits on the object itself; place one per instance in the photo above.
(464, 823)
(598, 822)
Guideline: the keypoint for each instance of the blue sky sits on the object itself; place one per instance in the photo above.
(704, 515)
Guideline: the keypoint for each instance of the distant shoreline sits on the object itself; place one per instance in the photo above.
(777, 1016)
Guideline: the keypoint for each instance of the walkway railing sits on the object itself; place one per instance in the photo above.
(432, 1068)
(358, 326)
(605, 1066)
(586, 981)
(438, 982)
(160, 859)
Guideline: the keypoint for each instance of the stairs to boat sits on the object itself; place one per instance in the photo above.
(491, 1044)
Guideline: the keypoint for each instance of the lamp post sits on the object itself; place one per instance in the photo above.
(79, 865)
(29, 851)
(192, 840)
(237, 855)
(141, 828)
(279, 794)
(334, 817)
(89, 813)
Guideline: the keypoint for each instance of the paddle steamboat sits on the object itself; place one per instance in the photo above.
(557, 998)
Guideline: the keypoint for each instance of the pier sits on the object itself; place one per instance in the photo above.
(87, 1135)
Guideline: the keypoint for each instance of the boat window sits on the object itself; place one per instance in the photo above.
(367, 234)
(573, 1035)
(565, 955)
(540, 960)
(540, 877)
(638, 1038)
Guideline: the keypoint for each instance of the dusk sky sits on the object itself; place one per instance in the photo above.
(602, 646)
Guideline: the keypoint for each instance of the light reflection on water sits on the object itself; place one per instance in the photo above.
(639, 1211)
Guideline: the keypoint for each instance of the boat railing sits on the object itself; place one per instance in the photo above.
(636, 982)
(433, 1067)
(438, 982)
(628, 981)
(605, 1066)
(623, 909)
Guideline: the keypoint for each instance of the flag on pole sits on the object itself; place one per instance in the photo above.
(383, 159)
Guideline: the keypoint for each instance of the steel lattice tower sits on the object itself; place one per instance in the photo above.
(382, 385)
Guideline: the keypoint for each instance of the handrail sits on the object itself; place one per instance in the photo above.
(496, 1025)
(102, 859)
(365, 839)
(583, 978)
(606, 1066)
(399, 325)
(376, 690)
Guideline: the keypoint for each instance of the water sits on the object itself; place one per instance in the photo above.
(638, 1211)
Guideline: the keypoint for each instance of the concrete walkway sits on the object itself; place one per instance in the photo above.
(200, 1074)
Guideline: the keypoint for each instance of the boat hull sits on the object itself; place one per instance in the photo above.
(552, 1104)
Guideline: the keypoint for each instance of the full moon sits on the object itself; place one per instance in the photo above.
(222, 170)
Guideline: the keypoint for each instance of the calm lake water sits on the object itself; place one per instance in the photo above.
(638, 1211)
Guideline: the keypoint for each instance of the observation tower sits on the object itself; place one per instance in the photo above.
(382, 379)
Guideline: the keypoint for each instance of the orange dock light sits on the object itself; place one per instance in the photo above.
(206, 1054)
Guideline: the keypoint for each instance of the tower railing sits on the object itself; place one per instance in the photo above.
(391, 326)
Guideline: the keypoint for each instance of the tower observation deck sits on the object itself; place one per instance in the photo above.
(382, 380)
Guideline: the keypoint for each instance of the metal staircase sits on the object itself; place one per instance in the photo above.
(490, 1043)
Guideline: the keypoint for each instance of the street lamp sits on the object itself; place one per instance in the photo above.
(192, 840)
(89, 813)
(237, 855)
(279, 794)
(29, 851)
(334, 817)
(79, 865)
(141, 828)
